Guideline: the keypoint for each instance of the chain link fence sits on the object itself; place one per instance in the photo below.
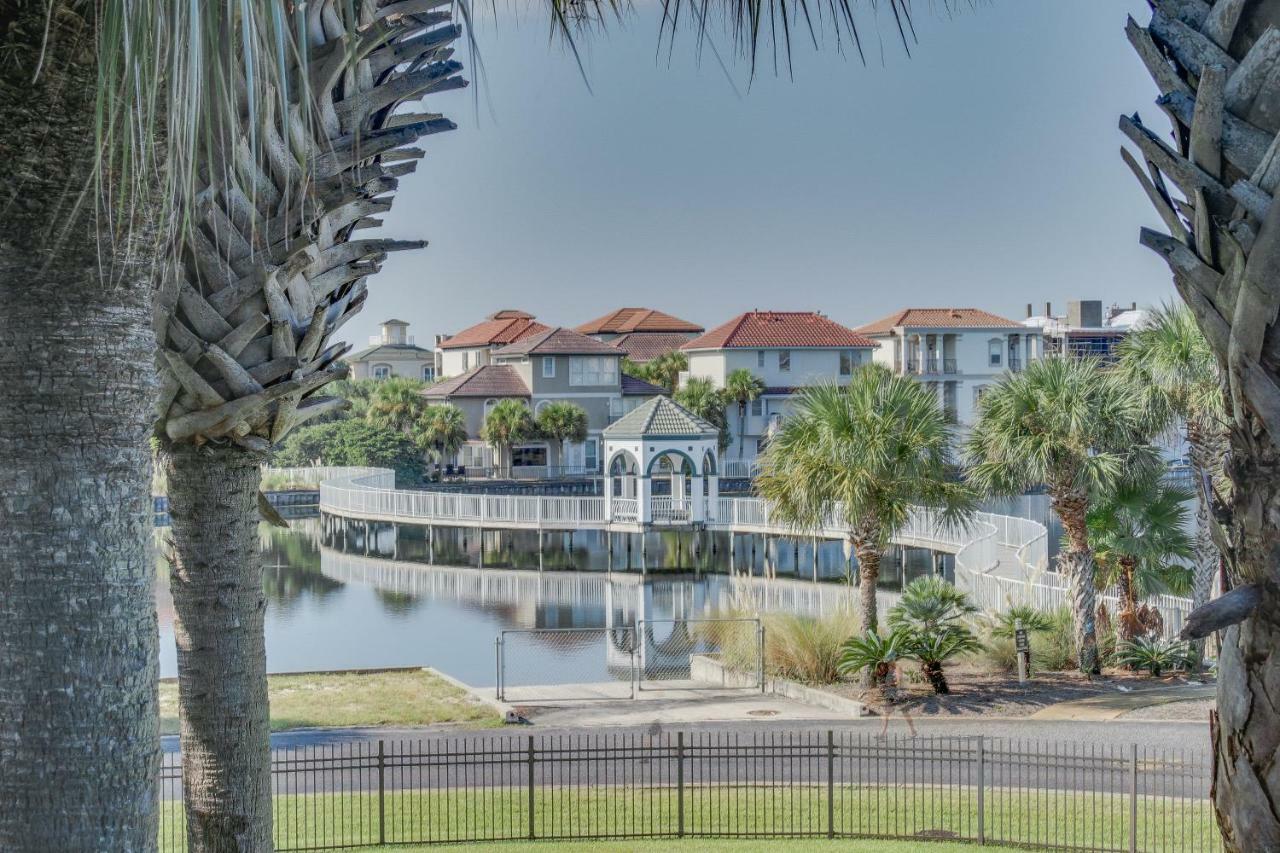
(670, 650)
(560, 664)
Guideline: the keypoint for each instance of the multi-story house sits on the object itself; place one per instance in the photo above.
(786, 350)
(641, 333)
(1085, 329)
(474, 346)
(394, 353)
(549, 366)
(957, 351)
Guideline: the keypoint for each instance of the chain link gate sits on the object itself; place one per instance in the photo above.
(559, 664)
(692, 654)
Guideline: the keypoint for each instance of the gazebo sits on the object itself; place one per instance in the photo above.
(660, 443)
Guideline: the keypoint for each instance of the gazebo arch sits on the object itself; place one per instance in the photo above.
(658, 429)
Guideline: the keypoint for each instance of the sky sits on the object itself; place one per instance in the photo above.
(981, 171)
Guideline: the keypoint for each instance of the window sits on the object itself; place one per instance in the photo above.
(381, 371)
(466, 362)
(757, 407)
(615, 407)
(761, 444)
(548, 367)
(978, 391)
(760, 358)
(590, 457)
(529, 457)
(994, 353)
(593, 370)
(848, 359)
(784, 361)
(428, 373)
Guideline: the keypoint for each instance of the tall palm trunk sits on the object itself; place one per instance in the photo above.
(1215, 64)
(79, 745)
(742, 429)
(216, 580)
(1206, 461)
(1076, 562)
(868, 576)
(271, 268)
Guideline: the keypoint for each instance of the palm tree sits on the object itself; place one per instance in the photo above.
(743, 387)
(1170, 360)
(561, 422)
(443, 428)
(279, 181)
(78, 637)
(665, 370)
(864, 457)
(1070, 425)
(700, 396)
(1221, 222)
(506, 424)
(1135, 530)
(397, 404)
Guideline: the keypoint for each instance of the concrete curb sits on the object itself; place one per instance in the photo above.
(508, 713)
(708, 669)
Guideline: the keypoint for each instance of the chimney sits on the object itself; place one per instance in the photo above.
(1028, 310)
(1048, 309)
(1133, 306)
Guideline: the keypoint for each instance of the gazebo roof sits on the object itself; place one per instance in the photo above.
(660, 417)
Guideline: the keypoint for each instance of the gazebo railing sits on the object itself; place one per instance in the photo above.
(669, 510)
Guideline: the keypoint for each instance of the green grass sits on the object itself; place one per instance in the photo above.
(1092, 821)
(404, 698)
(710, 845)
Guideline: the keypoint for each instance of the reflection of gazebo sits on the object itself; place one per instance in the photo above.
(661, 439)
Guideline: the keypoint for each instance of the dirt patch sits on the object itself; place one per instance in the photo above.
(978, 692)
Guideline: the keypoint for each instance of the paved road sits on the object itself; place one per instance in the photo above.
(1017, 753)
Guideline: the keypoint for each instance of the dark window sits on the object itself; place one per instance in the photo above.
(528, 457)
(784, 361)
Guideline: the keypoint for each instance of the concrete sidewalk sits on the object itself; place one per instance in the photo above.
(1111, 706)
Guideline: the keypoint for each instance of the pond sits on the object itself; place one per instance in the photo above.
(448, 592)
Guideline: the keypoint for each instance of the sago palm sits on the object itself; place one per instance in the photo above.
(1214, 186)
(1067, 424)
(1170, 361)
(863, 458)
(742, 387)
(1138, 535)
(508, 423)
(443, 428)
(561, 422)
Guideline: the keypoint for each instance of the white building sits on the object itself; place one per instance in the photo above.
(959, 352)
(1085, 329)
(786, 350)
(394, 353)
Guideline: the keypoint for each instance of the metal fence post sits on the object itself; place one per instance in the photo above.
(531, 823)
(760, 654)
(680, 784)
(497, 641)
(1133, 799)
(382, 794)
(831, 784)
(982, 816)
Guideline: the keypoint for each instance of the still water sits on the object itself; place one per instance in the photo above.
(448, 592)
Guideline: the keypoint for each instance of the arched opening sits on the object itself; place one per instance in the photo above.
(621, 474)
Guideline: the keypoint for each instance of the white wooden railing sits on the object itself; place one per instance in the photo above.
(1017, 547)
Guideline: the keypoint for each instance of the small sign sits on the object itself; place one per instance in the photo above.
(1020, 640)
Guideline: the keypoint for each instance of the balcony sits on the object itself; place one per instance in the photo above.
(913, 365)
(1015, 363)
(931, 364)
(949, 365)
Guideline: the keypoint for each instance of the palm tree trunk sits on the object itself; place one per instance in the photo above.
(1076, 562)
(1128, 627)
(742, 430)
(868, 576)
(1206, 556)
(1246, 726)
(79, 744)
(222, 665)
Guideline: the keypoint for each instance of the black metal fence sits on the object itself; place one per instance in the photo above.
(765, 784)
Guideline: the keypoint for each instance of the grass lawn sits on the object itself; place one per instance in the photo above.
(499, 817)
(406, 698)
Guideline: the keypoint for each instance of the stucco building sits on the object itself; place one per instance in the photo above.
(474, 346)
(642, 334)
(394, 353)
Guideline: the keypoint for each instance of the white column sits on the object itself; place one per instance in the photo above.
(713, 497)
(697, 503)
(644, 510)
(608, 498)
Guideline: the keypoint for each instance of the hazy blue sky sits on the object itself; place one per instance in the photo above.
(984, 171)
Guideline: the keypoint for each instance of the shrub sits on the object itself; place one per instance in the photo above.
(934, 648)
(353, 442)
(804, 648)
(1053, 646)
(1156, 656)
(872, 653)
(1032, 619)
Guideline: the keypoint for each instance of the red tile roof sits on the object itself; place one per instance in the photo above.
(646, 346)
(498, 329)
(490, 380)
(637, 320)
(937, 318)
(780, 329)
(559, 341)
